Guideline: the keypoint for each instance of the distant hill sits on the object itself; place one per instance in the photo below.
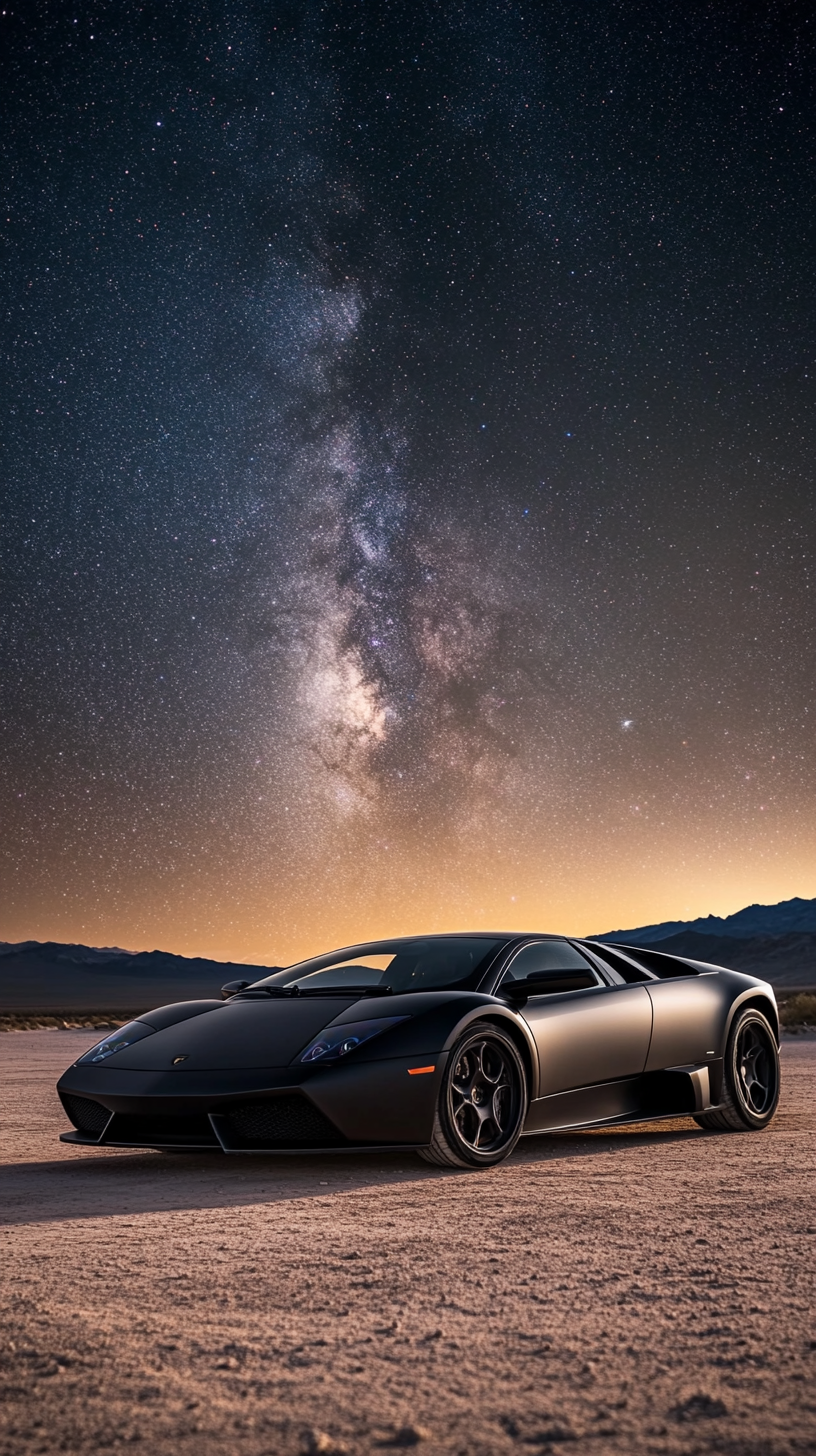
(86, 954)
(51, 977)
(787, 961)
(786, 918)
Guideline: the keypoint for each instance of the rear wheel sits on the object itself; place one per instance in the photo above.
(482, 1101)
(750, 1077)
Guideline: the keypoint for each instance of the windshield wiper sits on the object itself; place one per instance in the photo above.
(345, 990)
(252, 991)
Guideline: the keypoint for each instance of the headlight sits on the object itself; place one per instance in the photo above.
(338, 1041)
(124, 1037)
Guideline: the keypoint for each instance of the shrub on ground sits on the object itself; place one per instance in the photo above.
(798, 1010)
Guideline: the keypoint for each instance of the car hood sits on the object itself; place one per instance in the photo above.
(256, 1033)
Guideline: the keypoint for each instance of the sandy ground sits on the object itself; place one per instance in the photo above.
(638, 1291)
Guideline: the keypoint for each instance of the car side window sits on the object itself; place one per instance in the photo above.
(548, 955)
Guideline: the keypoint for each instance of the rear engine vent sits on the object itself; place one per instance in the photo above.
(630, 973)
(282, 1122)
(88, 1117)
(667, 967)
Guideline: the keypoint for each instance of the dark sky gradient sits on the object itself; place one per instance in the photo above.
(409, 466)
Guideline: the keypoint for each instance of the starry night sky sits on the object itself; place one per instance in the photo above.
(409, 468)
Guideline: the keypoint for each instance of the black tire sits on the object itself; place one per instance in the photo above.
(482, 1101)
(750, 1091)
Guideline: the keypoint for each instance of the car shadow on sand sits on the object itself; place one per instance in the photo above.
(103, 1183)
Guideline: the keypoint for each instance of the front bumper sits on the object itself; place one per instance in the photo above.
(373, 1104)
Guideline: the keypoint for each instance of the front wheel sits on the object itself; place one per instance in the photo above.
(750, 1077)
(482, 1101)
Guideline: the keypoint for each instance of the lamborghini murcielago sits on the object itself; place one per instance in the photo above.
(452, 1045)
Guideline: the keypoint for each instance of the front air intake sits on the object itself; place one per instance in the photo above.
(162, 1130)
(88, 1117)
(278, 1123)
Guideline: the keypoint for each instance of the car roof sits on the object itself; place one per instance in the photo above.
(505, 937)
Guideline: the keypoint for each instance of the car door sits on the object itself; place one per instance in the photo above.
(598, 1034)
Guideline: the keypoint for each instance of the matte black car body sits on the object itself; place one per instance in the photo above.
(647, 1039)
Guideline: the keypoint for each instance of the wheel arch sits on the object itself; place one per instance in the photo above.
(757, 1000)
(521, 1038)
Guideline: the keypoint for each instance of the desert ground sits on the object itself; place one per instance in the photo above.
(646, 1290)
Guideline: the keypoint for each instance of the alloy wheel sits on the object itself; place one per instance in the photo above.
(482, 1096)
(755, 1068)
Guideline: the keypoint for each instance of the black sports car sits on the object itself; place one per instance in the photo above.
(453, 1045)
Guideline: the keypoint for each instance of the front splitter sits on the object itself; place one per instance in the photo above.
(76, 1139)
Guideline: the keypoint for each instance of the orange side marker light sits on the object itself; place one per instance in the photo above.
(418, 1071)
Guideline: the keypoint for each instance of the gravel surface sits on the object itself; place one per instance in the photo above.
(647, 1290)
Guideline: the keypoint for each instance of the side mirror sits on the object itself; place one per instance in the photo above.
(516, 991)
(232, 988)
(547, 983)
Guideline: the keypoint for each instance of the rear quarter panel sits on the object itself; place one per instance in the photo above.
(690, 1015)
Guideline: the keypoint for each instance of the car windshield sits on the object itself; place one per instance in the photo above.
(428, 963)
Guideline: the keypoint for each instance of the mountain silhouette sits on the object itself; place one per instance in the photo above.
(46, 976)
(787, 961)
(788, 917)
(776, 942)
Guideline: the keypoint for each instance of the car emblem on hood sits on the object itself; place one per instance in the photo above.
(176, 1060)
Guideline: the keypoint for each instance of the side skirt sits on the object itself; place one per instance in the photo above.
(674, 1092)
